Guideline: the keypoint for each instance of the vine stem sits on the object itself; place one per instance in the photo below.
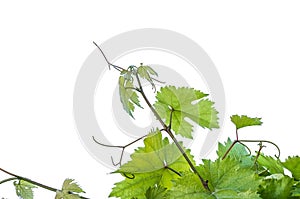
(17, 177)
(165, 127)
(168, 130)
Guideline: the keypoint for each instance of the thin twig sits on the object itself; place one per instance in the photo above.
(109, 64)
(116, 146)
(261, 146)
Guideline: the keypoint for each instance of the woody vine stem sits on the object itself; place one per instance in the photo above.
(166, 128)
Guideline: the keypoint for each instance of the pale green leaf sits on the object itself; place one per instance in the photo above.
(70, 185)
(243, 121)
(293, 165)
(146, 72)
(70, 190)
(128, 95)
(180, 104)
(24, 189)
(61, 195)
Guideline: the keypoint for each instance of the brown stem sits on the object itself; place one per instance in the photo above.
(168, 130)
(229, 149)
(261, 146)
(236, 134)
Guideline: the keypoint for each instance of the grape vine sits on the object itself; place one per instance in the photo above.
(164, 168)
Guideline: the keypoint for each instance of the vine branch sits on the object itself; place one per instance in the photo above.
(17, 177)
(168, 130)
(165, 127)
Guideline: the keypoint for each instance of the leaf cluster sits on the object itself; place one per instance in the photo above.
(237, 176)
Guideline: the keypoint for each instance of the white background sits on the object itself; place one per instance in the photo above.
(254, 45)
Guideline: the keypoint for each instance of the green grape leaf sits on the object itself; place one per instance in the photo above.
(128, 95)
(243, 121)
(158, 162)
(156, 192)
(293, 165)
(24, 189)
(238, 152)
(146, 72)
(276, 186)
(272, 165)
(156, 154)
(226, 179)
(69, 190)
(183, 103)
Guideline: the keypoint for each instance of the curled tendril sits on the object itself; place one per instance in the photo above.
(266, 141)
(126, 175)
(260, 143)
(249, 150)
